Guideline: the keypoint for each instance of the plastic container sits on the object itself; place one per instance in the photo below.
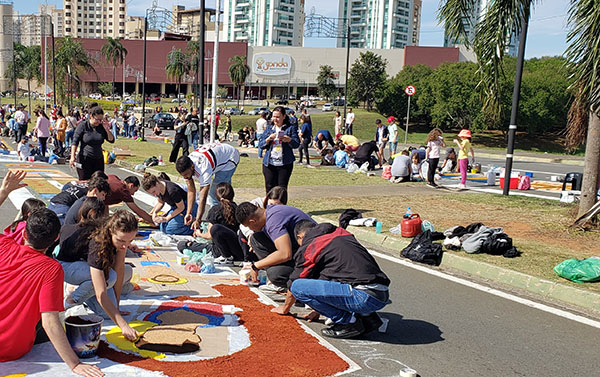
(514, 182)
(408, 213)
(83, 334)
(491, 178)
(411, 227)
(378, 226)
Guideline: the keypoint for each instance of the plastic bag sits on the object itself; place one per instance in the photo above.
(364, 167)
(208, 265)
(352, 168)
(579, 271)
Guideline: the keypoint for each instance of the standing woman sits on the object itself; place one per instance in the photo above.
(435, 142)
(337, 121)
(61, 129)
(89, 137)
(71, 125)
(279, 141)
(172, 194)
(42, 129)
(306, 137)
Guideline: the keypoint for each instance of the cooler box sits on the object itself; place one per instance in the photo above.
(514, 182)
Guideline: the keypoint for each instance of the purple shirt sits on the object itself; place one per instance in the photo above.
(282, 219)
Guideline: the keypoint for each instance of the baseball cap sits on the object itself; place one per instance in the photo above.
(391, 119)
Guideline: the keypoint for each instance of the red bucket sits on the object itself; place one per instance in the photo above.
(411, 226)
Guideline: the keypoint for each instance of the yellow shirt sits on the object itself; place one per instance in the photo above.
(350, 140)
(466, 147)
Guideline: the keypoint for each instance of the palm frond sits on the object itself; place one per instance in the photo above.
(456, 15)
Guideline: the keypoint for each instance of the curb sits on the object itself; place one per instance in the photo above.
(544, 288)
(131, 166)
(533, 159)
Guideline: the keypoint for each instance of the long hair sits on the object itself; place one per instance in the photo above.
(28, 206)
(92, 214)
(225, 195)
(434, 135)
(278, 192)
(286, 118)
(122, 221)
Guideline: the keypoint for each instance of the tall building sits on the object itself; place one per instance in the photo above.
(381, 24)
(470, 24)
(95, 18)
(264, 22)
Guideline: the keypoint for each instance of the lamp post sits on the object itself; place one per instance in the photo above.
(144, 78)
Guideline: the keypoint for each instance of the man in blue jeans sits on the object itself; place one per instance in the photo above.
(337, 277)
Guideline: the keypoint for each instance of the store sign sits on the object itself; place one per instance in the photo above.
(272, 64)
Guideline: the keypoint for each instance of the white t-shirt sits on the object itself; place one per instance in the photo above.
(349, 118)
(203, 158)
(23, 149)
(434, 148)
(276, 156)
(393, 130)
(261, 125)
(20, 117)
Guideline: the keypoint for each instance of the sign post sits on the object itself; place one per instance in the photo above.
(410, 91)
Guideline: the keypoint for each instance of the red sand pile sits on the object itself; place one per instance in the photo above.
(279, 346)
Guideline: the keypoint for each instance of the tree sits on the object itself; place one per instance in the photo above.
(31, 68)
(325, 83)
(70, 60)
(16, 70)
(105, 88)
(177, 66)
(492, 34)
(238, 71)
(193, 51)
(367, 79)
(114, 53)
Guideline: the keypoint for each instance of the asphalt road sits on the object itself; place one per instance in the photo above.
(442, 328)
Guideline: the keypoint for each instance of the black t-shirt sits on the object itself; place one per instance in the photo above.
(173, 194)
(71, 216)
(365, 151)
(216, 216)
(72, 247)
(90, 138)
(93, 258)
(70, 194)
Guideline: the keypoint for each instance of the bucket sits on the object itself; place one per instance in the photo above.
(411, 226)
(83, 334)
(514, 182)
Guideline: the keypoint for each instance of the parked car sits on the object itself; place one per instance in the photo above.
(162, 120)
(178, 100)
(95, 96)
(282, 102)
(327, 107)
(339, 102)
(172, 95)
(113, 98)
(257, 110)
(232, 111)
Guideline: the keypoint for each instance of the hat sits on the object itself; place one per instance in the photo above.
(464, 133)
(391, 119)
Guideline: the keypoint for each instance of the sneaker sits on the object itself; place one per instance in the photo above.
(272, 288)
(370, 322)
(344, 330)
(224, 261)
(310, 166)
(462, 186)
(432, 185)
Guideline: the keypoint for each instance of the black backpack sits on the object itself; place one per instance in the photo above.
(423, 250)
(151, 161)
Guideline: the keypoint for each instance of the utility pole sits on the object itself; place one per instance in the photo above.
(54, 68)
(144, 78)
(201, 72)
(213, 110)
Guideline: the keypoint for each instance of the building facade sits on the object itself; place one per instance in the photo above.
(479, 9)
(264, 22)
(95, 18)
(381, 24)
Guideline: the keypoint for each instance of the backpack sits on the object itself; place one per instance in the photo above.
(423, 250)
(524, 183)
(151, 161)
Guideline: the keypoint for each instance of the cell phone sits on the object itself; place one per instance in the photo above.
(280, 134)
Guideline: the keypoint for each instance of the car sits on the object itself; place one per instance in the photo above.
(95, 96)
(258, 110)
(178, 100)
(339, 102)
(172, 95)
(292, 96)
(113, 98)
(327, 107)
(232, 111)
(162, 120)
(282, 102)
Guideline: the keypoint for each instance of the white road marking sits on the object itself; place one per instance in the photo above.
(495, 292)
(149, 200)
(56, 184)
(19, 196)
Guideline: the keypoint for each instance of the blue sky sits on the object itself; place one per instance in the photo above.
(546, 36)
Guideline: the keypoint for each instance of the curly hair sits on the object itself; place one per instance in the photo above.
(434, 135)
(225, 194)
(149, 181)
(122, 221)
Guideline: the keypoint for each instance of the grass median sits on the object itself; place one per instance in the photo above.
(539, 228)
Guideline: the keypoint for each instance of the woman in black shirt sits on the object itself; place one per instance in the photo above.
(172, 194)
(89, 137)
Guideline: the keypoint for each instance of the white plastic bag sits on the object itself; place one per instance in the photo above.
(364, 167)
(352, 168)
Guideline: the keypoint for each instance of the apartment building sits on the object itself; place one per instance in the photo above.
(264, 22)
(381, 24)
(95, 18)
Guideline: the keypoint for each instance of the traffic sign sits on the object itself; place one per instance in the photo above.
(410, 90)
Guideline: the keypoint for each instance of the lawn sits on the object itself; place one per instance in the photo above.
(539, 228)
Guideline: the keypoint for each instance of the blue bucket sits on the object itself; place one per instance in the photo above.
(83, 334)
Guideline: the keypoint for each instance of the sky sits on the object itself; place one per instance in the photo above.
(546, 35)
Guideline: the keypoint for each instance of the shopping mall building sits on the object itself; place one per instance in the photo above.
(274, 71)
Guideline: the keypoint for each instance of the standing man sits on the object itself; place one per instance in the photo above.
(349, 121)
(216, 159)
(393, 135)
(381, 138)
(192, 121)
(261, 126)
(21, 117)
(131, 129)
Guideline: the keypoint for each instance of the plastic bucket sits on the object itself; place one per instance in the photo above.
(83, 334)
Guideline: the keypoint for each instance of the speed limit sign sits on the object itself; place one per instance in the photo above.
(410, 90)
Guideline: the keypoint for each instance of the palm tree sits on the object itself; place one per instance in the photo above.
(177, 66)
(194, 51)
(114, 53)
(70, 60)
(32, 60)
(238, 71)
(492, 34)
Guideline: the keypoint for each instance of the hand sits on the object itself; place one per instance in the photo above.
(72, 163)
(12, 181)
(106, 125)
(135, 249)
(196, 225)
(456, 141)
(87, 370)
(286, 139)
(188, 219)
(280, 310)
(312, 316)
(271, 137)
(159, 219)
(129, 333)
(253, 275)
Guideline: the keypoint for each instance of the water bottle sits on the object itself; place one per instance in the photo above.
(408, 213)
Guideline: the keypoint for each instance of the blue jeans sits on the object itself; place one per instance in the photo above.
(69, 138)
(334, 300)
(195, 139)
(177, 225)
(60, 210)
(222, 176)
(260, 150)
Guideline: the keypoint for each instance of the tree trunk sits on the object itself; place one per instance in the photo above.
(113, 85)
(589, 186)
(238, 96)
(178, 92)
(29, 93)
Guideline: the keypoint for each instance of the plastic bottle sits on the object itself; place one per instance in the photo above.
(408, 213)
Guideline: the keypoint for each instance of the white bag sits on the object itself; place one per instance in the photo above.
(352, 168)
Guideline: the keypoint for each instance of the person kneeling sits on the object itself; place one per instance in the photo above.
(337, 277)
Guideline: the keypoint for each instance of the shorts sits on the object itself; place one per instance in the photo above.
(393, 145)
(381, 145)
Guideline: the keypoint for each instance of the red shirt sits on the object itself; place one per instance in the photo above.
(31, 283)
(118, 191)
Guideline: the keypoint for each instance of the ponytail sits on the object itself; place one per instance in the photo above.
(225, 195)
